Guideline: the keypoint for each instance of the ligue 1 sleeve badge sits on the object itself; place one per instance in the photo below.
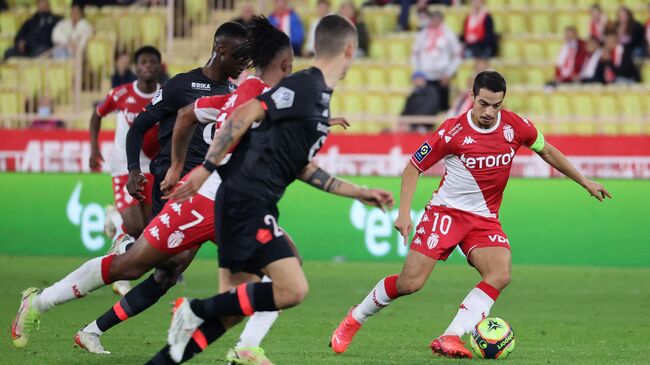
(508, 132)
(422, 152)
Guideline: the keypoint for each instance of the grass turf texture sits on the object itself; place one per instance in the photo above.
(560, 315)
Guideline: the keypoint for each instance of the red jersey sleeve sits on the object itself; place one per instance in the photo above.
(433, 149)
(207, 108)
(109, 104)
(528, 134)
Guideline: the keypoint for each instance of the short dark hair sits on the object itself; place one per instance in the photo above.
(490, 80)
(230, 30)
(265, 42)
(147, 50)
(332, 33)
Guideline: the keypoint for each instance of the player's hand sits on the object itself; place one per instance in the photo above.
(135, 184)
(186, 189)
(404, 225)
(95, 160)
(339, 121)
(597, 190)
(381, 199)
(171, 179)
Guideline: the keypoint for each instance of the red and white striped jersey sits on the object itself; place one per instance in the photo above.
(216, 109)
(128, 101)
(477, 161)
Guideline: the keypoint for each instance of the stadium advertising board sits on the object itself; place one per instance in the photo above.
(547, 221)
(626, 157)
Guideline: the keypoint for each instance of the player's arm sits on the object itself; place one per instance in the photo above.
(321, 179)
(95, 125)
(134, 137)
(181, 136)
(404, 223)
(228, 135)
(555, 158)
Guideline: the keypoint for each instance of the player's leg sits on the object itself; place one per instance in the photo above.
(415, 273)
(134, 220)
(140, 298)
(487, 249)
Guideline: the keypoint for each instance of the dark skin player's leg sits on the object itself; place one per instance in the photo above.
(134, 219)
(137, 260)
(167, 273)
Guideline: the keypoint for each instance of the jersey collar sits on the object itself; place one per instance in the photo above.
(142, 94)
(480, 130)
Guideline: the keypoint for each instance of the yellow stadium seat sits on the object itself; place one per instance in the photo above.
(9, 23)
(533, 52)
(515, 102)
(497, 4)
(582, 23)
(608, 114)
(553, 48)
(499, 20)
(399, 77)
(11, 102)
(518, 3)
(455, 21)
(645, 73)
(511, 50)
(128, 30)
(564, 20)
(352, 104)
(197, 10)
(375, 104)
(395, 103)
(514, 75)
(354, 78)
(540, 4)
(517, 24)
(584, 120)
(335, 105)
(99, 55)
(380, 22)
(31, 79)
(536, 76)
(174, 69)
(541, 24)
(399, 51)
(153, 30)
(378, 50)
(376, 77)
(631, 104)
(560, 110)
(9, 76)
(536, 105)
(58, 83)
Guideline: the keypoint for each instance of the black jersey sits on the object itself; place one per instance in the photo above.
(272, 153)
(179, 91)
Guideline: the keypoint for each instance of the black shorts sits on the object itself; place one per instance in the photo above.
(247, 232)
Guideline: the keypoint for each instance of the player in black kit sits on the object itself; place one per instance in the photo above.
(179, 91)
(292, 126)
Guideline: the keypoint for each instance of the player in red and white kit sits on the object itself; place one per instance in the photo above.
(128, 101)
(477, 148)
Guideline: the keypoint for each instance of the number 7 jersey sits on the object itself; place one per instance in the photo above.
(477, 161)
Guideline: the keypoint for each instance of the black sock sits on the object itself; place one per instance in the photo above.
(211, 331)
(256, 297)
(143, 296)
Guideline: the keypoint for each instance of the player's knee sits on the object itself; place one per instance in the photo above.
(122, 269)
(134, 229)
(292, 295)
(409, 285)
(498, 280)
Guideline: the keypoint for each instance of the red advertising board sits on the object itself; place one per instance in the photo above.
(360, 155)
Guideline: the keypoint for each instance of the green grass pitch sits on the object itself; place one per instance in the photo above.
(560, 315)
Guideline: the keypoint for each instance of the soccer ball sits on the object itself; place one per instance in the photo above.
(492, 338)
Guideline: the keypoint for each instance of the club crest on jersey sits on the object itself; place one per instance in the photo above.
(175, 239)
(422, 152)
(508, 132)
(283, 98)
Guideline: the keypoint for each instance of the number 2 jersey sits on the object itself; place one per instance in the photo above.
(477, 161)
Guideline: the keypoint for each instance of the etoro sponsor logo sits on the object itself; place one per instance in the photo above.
(488, 161)
(90, 219)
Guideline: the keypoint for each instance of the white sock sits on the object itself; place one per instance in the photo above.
(475, 307)
(377, 299)
(92, 328)
(77, 284)
(258, 325)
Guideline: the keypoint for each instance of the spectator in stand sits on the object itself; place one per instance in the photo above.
(323, 8)
(287, 20)
(405, 10)
(590, 72)
(478, 32)
(123, 73)
(617, 64)
(630, 32)
(351, 13)
(423, 100)
(571, 58)
(70, 35)
(464, 101)
(598, 22)
(246, 16)
(35, 35)
(436, 53)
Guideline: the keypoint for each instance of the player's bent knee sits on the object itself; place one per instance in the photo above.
(498, 280)
(406, 286)
(291, 296)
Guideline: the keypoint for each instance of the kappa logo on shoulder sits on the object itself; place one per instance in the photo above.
(283, 97)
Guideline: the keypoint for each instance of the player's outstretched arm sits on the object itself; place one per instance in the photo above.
(230, 133)
(95, 125)
(404, 223)
(321, 179)
(181, 136)
(555, 158)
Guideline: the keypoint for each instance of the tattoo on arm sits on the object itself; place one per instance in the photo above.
(323, 180)
(222, 141)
